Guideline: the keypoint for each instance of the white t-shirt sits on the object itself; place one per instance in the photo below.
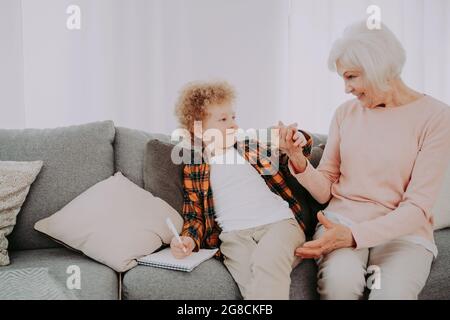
(242, 198)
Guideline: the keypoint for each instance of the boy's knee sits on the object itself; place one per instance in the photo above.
(279, 263)
(291, 234)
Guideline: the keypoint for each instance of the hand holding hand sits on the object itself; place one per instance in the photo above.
(290, 139)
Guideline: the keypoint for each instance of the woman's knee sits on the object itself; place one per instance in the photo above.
(397, 287)
(392, 294)
(341, 276)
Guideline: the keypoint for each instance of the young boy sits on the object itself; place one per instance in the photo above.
(253, 217)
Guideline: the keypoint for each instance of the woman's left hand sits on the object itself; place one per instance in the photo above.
(336, 236)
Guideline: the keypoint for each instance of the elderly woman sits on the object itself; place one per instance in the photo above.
(381, 172)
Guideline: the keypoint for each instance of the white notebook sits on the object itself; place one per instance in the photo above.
(165, 259)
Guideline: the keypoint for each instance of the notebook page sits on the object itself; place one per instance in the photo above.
(165, 257)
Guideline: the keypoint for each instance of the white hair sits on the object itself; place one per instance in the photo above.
(377, 52)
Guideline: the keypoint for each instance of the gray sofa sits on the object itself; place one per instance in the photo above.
(76, 158)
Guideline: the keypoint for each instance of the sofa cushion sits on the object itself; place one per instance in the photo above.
(441, 209)
(162, 177)
(75, 158)
(129, 149)
(304, 281)
(319, 140)
(210, 280)
(96, 280)
(438, 283)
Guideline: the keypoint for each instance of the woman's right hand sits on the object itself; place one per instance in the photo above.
(291, 143)
(177, 248)
(282, 132)
(295, 152)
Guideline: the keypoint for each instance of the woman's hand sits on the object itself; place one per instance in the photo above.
(336, 236)
(177, 248)
(290, 139)
(291, 143)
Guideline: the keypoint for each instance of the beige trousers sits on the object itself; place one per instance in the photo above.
(398, 270)
(261, 259)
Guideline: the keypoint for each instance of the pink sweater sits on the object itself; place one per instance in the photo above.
(383, 169)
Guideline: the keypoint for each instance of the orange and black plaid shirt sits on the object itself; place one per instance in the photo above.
(198, 206)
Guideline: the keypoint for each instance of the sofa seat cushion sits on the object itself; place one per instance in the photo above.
(438, 284)
(209, 281)
(304, 281)
(96, 280)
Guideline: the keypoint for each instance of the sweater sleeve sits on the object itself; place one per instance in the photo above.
(319, 181)
(414, 210)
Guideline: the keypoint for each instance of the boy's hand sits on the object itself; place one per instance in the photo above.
(177, 248)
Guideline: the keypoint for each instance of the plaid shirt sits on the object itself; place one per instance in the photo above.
(198, 206)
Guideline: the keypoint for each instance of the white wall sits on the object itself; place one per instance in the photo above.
(12, 113)
(102, 71)
(422, 26)
(130, 58)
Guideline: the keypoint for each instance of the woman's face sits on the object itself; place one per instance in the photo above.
(357, 84)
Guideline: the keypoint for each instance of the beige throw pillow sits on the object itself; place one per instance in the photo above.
(114, 222)
(16, 178)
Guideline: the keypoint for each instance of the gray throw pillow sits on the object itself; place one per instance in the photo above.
(162, 177)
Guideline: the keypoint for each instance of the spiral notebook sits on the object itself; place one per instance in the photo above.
(165, 259)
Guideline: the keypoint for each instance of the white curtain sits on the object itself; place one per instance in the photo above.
(423, 27)
(130, 58)
(12, 112)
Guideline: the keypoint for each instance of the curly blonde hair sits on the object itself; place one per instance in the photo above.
(196, 97)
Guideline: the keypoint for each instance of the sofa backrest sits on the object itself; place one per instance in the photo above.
(129, 150)
(75, 158)
(130, 144)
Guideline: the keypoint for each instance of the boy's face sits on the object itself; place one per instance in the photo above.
(220, 120)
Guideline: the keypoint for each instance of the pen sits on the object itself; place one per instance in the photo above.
(175, 233)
